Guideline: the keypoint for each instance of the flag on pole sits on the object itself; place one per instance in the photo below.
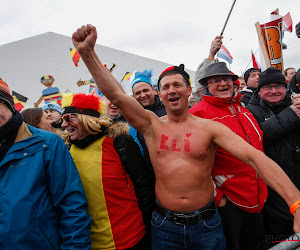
(224, 54)
(126, 76)
(19, 100)
(287, 23)
(254, 61)
(75, 56)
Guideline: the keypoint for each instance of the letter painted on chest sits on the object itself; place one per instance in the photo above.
(163, 142)
(174, 147)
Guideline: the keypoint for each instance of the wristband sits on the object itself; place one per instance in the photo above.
(294, 207)
(210, 58)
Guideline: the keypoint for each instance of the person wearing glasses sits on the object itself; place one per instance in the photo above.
(110, 186)
(240, 192)
(182, 149)
(43, 204)
(278, 117)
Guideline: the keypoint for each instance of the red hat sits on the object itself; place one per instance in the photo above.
(81, 103)
(237, 81)
(6, 96)
(178, 70)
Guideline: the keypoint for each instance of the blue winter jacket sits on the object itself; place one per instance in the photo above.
(42, 201)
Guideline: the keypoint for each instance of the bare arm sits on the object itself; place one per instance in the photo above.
(268, 170)
(84, 40)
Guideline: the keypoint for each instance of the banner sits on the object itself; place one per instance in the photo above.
(272, 35)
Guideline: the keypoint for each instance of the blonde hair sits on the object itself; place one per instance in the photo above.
(93, 124)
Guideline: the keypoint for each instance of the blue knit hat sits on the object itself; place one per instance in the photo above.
(144, 76)
(54, 106)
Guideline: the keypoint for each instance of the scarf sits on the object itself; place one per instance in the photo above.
(8, 133)
(89, 139)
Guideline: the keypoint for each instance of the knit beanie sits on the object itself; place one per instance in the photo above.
(270, 75)
(54, 106)
(6, 96)
(144, 76)
(249, 72)
(175, 69)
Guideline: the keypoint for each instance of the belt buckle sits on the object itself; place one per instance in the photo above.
(183, 220)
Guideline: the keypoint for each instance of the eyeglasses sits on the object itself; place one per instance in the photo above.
(277, 87)
(217, 82)
(68, 117)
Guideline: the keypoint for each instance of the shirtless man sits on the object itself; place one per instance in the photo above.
(182, 149)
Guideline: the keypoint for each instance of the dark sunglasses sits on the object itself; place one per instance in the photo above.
(68, 117)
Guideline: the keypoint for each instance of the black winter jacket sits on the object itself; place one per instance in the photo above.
(281, 136)
(247, 92)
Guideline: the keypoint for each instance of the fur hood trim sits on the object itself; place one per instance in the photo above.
(118, 129)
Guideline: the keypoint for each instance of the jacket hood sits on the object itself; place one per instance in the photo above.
(118, 129)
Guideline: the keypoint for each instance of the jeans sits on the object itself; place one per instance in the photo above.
(206, 234)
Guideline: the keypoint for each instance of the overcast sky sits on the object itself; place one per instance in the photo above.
(170, 31)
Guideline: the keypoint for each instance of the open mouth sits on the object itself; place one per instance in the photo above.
(71, 130)
(174, 99)
(223, 90)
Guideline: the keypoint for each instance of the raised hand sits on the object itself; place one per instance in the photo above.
(215, 46)
(296, 104)
(84, 39)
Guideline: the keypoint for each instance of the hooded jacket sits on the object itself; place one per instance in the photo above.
(234, 179)
(43, 205)
(281, 128)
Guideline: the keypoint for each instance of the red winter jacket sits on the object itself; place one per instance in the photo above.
(235, 179)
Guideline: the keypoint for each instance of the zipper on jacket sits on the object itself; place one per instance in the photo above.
(236, 113)
(237, 116)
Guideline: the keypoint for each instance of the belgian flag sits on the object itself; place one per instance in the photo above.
(19, 100)
(126, 76)
(75, 56)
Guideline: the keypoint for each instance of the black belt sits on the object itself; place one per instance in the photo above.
(187, 218)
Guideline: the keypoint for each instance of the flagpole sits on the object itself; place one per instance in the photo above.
(228, 17)
(250, 60)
